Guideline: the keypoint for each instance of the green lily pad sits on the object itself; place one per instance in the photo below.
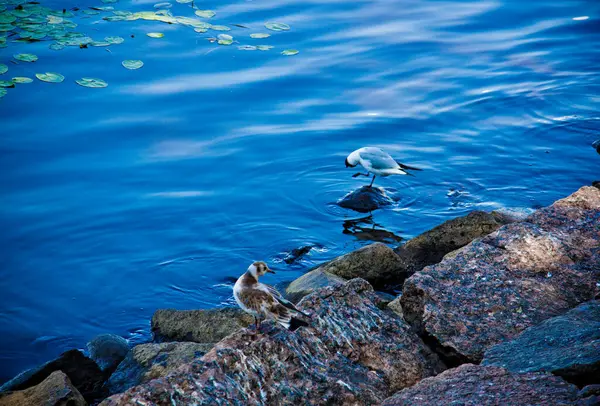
(184, 1)
(264, 47)
(91, 12)
(20, 13)
(205, 13)
(100, 43)
(201, 30)
(290, 52)
(132, 64)
(6, 83)
(163, 5)
(25, 57)
(3, 68)
(224, 39)
(247, 48)
(50, 77)
(277, 26)
(105, 8)
(2, 92)
(56, 47)
(114, 40)
(155, 34)
(22, 79)
(109, 1)
(122, 13)
(6, 27)
(55, 20)
(260, 35)
(7, 18)
(220, 28)
(91, 82)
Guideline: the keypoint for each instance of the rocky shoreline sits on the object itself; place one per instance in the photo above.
(494, 310)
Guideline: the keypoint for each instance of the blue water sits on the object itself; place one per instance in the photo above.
(160, 189)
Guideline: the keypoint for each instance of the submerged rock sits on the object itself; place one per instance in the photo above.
(512, 279)
(297, 253)
(309, 282)
(149, 361)
(596, 145)
(476, 385)
(352, 353)
(84, 373)
(567, 345)
(366, 199)
(108, 350)
(199, 326)
(55, 390)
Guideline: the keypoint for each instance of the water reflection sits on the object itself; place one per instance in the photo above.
(366, 229)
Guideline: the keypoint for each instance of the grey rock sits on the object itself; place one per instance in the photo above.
(567, 345)
(309, 282)
(108, 350)
(149, 361)
(396, 306)
(199, 326)
(366, 199)
(55, 390)
(596, 146)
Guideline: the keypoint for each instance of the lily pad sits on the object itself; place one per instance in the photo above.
(3, 68)
(205, 13)
(163, 5)
(6, 27)
(91, 82)
(224, 39)
(25, 57)
(201, 30)
(100, 43)
(114, 40)
(220, 28)
(277, 26)
(22, 79)
(264, 47)
(6, 83)
(91, 12)
(132, 64)
(105, 8)
(56, 47)
(184, 1)
(260, 35)
(55, 20)
(247, 48)
(7, 18)
(50, 77)
(155, 34)
(2, 92)
(290, 52)
(109, 1)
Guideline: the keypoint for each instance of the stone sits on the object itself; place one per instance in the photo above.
(352, 353)
(55, 390)
(83, 372)
(309, 282)
(396, 306)
(149, 361)
(596, 146)
(366, 199)
(199, 326)
(566, 345)
(108, 350)
(474, 385)
(516, 277)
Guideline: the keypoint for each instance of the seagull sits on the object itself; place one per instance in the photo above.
(259, 299)
(377, 162)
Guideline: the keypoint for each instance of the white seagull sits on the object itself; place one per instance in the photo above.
(261, 300)
(377, 162)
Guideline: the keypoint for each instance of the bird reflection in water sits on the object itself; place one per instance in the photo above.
(366, 229)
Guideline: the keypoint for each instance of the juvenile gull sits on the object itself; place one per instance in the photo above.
(377, 162)
(262, 300)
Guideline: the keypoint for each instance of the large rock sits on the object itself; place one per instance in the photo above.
(199, 326)
(476, 385)
(83, 372)
(352, 353)
(55, 390)
(108, 350)
(512, 279)
(149, 361)
(366, 199)
(309, 282)
(567, 345)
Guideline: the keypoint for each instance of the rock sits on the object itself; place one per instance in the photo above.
(353, 353)
(55, 390)
(297, 253)
(85, 375)
(149, 361)
(309, 282)
(596, 145)
(365, 199)
(386, 298)
(596, 184)
(476, 385)
(512, 279)
(567, 345)
(108, 350)
(396, 306)
(199, 326)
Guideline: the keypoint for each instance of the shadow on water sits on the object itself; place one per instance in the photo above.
(366, 229)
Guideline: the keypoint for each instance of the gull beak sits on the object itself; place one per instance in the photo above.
(269, 270)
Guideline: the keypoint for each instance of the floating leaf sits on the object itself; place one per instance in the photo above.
(264, 47)
(184, 1)
(277, 26)
(290, 52)
(3, 68)
(6, 27)
(20, 13)
(55, 20)
(132, 64)
(91, 12)
(163, 5)
(109, 1)
(7, 18)
(155, 34)
(220, 28)
(247, 48)
(56, 47)
(114, 40)
(22, 79)
(205, 13)
(50, 77)
(224, 39)
(6, 83)
(25, 57)
(260, 35)
(100, 43)
(104, 8)
(2, 92)
(200, 30)
(122, 13)
(91, 82)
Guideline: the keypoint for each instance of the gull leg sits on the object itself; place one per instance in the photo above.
(372, 180)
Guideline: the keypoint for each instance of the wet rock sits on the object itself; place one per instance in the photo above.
(352, 353)
(149, 361)
(396, 306)
(476, 385)
(517, 277)
(199, 326)
(589, 396)
(108, 350)
(309, 282)
(596, 145)
(83, 372)
(55, 390)
(386, 298)
(366, 199)
(567, 345)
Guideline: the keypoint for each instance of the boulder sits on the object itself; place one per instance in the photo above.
(366, 199)
(352, 353)
(108, 350)
(149, 361)
(83, 372)
(512, 279)
(55, 390)
(476, 385)
(199, 326)
(309, 282)
(567, 345)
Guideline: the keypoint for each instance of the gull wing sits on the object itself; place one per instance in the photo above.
(271, 290)
(378, 159)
